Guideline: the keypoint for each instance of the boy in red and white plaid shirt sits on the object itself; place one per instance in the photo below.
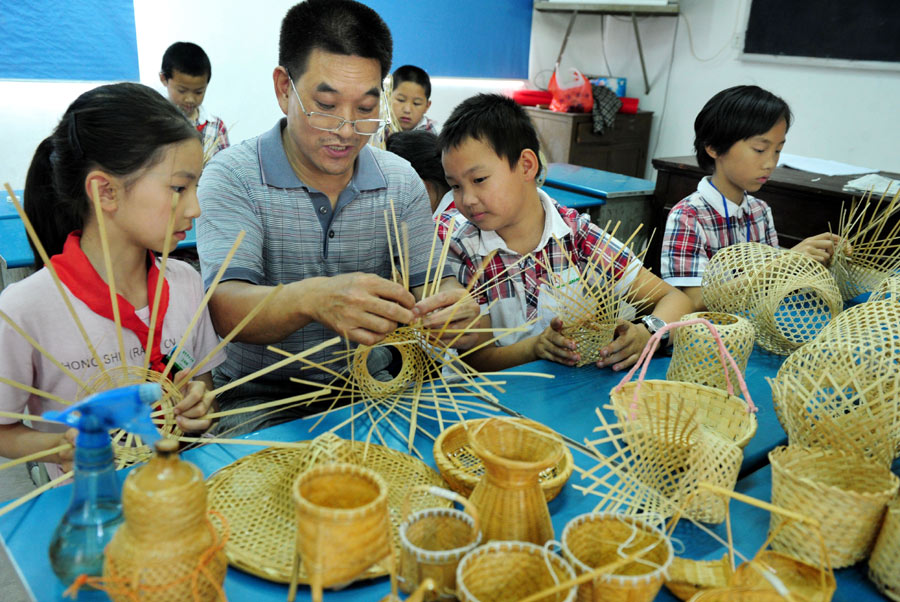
(491, 161)
(738, 135)
(185, 73)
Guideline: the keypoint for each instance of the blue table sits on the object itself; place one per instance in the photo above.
(574, 200)
(597, 183)
(7, 209)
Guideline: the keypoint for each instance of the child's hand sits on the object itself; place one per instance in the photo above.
(437, 309)
(820, 247)
(628, 342)
(552, 345)
(67, 456)
(197, 403)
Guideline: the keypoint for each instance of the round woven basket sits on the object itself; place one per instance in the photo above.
(727, 277)
(433, 541)
(695, 354)
(593, 540)
(415, 363)
(689, 577)
(884, 563)
(804, 581)
(736, 594)
(590, 338)
(463, 469)
(507, 571)
(847, 494)
(254, 495)
(889, 288)
(875, 321)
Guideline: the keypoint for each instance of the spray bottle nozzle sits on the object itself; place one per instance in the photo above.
(127, 408)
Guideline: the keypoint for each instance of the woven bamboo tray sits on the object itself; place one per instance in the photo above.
(804, 581)
(884, 563)
(462, 469)
(254, 496)
(686, 577)
(847, 494)
(737, 594)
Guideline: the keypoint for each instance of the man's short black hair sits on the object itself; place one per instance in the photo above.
(495, 120)
(188, 58)
(336, 26)
(416, 75)
(736, 114)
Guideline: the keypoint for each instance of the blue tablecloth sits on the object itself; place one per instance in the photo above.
(7, 209)
(595, 182)
(574, 200)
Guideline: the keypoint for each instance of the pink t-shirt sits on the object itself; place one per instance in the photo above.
(35, 305)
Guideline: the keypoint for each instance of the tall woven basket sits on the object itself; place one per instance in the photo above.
(847, 494)
(695, 354)
(508, 571)
(433, 541)
(884, 563)
(593, 540)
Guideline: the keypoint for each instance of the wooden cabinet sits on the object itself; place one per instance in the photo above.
(570, 138)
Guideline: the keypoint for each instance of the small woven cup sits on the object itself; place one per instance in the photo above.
(847, 494)
(593, 540)
(507, 571)
(590, 338)
(433, 541)
(884, 563)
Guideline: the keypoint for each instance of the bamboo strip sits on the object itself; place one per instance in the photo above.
(154, 311)
(107, 262)
(35, 492)
(36, 455)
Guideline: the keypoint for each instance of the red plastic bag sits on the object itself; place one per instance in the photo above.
(571, 92)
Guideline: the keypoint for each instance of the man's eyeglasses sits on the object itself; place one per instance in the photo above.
(332, 123)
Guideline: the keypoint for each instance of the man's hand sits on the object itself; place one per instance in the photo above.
(820, 247)
(552, 345)
(196, 404)
(362, 307)
(451, 309)
(626, 347)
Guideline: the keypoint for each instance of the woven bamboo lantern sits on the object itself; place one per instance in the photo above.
(695, 353)
(590, 541)
(167, 549)
(728, 276)
(885, 558)
(509, 571)
(845, 493)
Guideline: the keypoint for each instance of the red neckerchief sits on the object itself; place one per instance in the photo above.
(80, 277)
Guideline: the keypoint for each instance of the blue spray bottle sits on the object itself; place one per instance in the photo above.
(96, 508)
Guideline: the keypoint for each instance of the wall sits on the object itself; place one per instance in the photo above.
(841, 114)
(243, 48)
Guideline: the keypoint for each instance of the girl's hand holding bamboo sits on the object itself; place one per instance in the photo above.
(198, 401)
(552, 345)
(626, 346)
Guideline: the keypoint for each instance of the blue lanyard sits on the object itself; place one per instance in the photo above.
(727, 218)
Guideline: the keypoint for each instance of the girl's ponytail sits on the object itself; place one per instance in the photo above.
(51, 217)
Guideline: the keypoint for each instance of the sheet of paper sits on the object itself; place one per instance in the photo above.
(877, 184)
(822, 166)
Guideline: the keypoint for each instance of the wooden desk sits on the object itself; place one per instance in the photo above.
(570, 138)
(803, 203)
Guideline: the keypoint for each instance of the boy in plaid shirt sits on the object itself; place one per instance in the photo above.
(738, 136)
(490, 155)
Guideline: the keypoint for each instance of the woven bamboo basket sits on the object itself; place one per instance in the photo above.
(415, 364)
(845, 493)
(593, 540)
(590, 338)
(508, 571)
(728, 276)
(875, 321)
(254, 495)
(688, 577)
(804, 581)
(889, 288)
(695, 354)
(855, 276)
(715, 409)
(462, 469)
(737, 594)
(838, 395)
(792, 299)
(433, 541)
(884, 563)
(343, 524)
(509, 497)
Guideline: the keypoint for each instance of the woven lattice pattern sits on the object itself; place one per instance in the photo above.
(803, 581)
(884, 564)
(736, 594)
(686, 577)
(728, 276)
(507, 571)
(417, 364)
(845, 493)
(695, 355)
(590, 338)
(875, 322)
(855, 277)
(254, 496)
(463, 469)
(130, 449)
(888, 289)
(837, 395)
(590, 541)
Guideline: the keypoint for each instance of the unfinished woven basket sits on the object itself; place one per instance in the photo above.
(838, 395)
(889, 288)
(695, 354)
(416, 363)
(593, 540)
(508, 571)
(792, 299)
(254, 495)
(433, 541)
(846, 494)
(728, 276)
(804, 581)
(876, 322)
(590, 338)
(884, 563)
(688, 577)
(462, 469)
(855, 276)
